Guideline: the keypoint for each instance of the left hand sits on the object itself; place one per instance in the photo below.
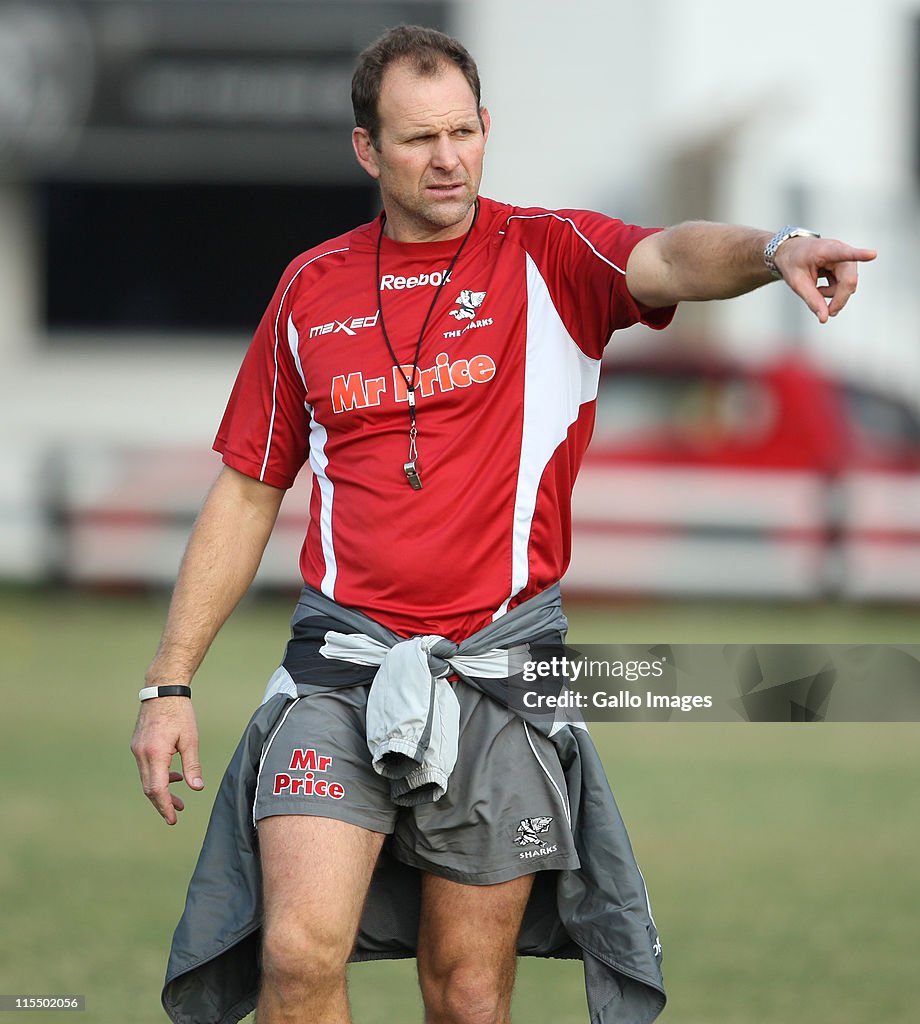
(804, 261)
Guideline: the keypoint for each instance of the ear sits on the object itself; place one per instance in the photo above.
(486, 119)
(365, 152)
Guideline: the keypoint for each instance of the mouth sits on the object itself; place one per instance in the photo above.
(449, 191)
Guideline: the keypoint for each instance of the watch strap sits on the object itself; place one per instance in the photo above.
(149, 692)
(783, 235)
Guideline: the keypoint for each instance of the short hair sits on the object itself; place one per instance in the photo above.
(426, 50)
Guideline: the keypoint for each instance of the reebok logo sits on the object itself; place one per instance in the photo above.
(397, 283)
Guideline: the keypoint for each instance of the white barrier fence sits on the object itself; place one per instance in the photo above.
(123, 515)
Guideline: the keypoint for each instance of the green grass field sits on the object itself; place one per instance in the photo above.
(782, 860)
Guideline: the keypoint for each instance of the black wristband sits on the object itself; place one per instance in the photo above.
(149, 692)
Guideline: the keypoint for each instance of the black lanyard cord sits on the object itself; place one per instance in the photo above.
(410, 381)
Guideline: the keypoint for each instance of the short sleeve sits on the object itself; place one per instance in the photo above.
(265, 429)
(582, 258)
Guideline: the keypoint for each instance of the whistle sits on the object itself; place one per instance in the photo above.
(411, 471)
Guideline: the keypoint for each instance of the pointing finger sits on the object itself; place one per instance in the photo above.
(859, 255)
(834, 252)
(863, 255)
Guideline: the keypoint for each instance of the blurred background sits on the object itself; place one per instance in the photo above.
(161, 162)
(754, 477)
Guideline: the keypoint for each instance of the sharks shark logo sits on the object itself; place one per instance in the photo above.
(530, 830)
(469, 302)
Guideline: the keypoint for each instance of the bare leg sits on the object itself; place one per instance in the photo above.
(467, 949)
(315, 876)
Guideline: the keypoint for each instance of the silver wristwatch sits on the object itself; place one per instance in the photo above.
(783, 235)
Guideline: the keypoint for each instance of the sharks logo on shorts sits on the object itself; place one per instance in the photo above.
(530, 830)
(469, 302)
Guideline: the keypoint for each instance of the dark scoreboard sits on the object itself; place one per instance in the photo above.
(178, 153)
(186, 89)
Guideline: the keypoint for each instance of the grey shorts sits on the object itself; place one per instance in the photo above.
(505, 812)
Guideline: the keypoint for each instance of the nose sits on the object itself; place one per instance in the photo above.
(444, 156)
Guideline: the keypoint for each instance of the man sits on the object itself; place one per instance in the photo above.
(438, 369)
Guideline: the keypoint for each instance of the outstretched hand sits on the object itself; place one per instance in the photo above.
(804, 262)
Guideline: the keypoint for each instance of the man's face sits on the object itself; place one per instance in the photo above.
(428, 158)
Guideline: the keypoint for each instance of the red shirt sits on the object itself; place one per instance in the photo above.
(506, 382)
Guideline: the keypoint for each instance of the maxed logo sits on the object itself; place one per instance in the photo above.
(309, 762)
(353, 391)
(350, 325)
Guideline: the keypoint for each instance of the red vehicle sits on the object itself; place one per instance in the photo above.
(707, 476)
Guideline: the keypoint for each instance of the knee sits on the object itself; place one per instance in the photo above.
(297, 957)
(466, 994)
